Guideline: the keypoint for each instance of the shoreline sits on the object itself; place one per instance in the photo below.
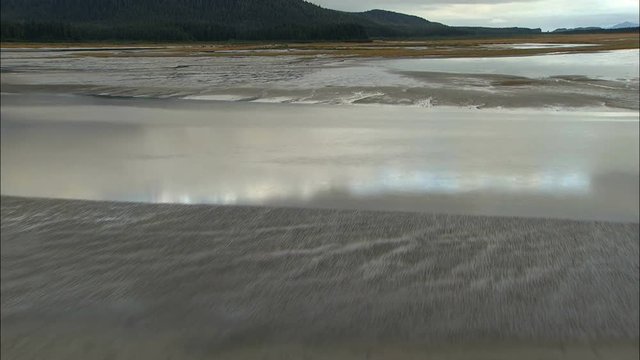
(169, 206)
(240, 282)
(42, 95)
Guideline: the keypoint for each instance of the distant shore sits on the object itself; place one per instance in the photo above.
(445, 47)
(82, 279)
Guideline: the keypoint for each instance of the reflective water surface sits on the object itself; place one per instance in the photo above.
(611, 65)
(529, 162)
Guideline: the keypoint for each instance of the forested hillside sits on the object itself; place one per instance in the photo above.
(382, 23)
(203, 20)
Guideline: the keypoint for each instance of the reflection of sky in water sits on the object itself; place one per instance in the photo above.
(424, 181)
(253, 193)
(489, 162)
(389, 182)
(621, 64)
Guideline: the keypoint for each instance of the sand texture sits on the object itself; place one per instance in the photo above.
(103, 280)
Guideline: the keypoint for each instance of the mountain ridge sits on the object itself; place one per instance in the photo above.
(624, 25)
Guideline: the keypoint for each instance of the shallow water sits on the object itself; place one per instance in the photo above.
(580, 164)
(609, 65)
(562, 80)
(537, 46)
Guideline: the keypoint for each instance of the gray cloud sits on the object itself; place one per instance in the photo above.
(362, 5)
(546, 14)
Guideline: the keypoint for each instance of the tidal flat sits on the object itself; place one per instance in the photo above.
(445, 199)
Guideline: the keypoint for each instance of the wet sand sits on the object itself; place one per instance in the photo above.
(98, 280)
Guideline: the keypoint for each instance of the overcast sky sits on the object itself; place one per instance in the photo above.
(545, 14)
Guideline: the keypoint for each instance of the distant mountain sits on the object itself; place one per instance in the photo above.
(624, 25)
(588, 28)
(595, 29)
(207, 20)
(383, 23)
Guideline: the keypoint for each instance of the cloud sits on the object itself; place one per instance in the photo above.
(358, 5)
(547, 14)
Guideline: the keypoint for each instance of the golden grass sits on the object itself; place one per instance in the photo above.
(473, 47)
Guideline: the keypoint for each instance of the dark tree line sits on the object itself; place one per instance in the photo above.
(174, 20)
(43, 31)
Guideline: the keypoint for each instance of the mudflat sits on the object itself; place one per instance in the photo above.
(83, 279)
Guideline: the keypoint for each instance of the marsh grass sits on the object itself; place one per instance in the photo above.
(471, 47)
